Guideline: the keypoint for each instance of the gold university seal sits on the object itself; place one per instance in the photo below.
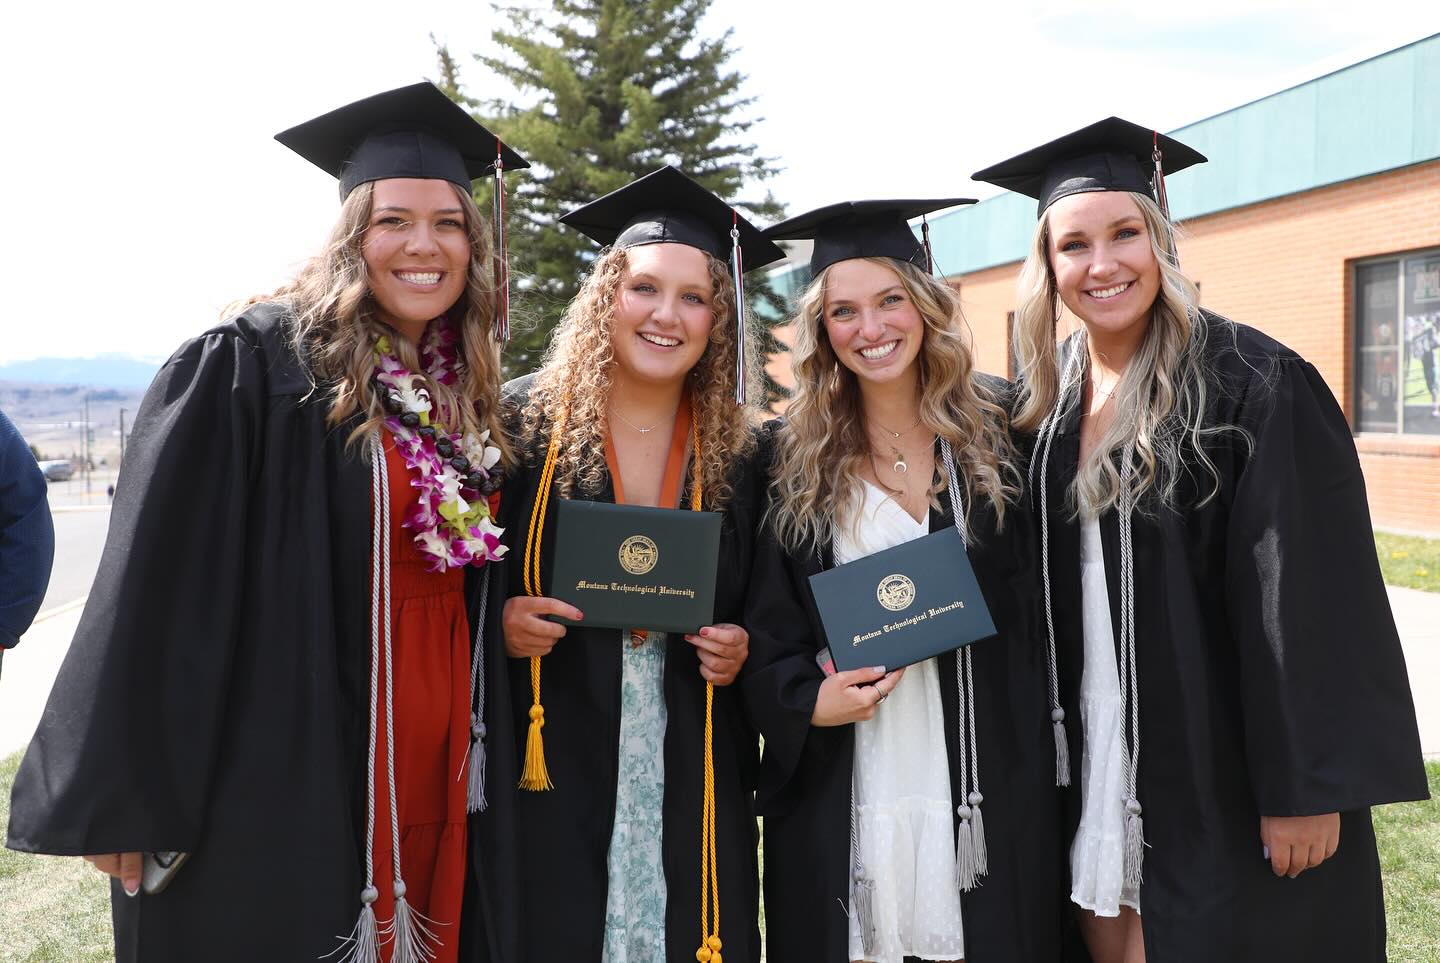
(638, 555)
(895, 592)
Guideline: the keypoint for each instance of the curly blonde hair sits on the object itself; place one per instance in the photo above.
(1161, 400)
(334, 326)
(573, 386)
(823, 443)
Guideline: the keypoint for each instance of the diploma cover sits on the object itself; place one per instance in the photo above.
(633, 567)
(903, 605)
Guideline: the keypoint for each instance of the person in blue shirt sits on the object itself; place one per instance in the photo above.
(27, 536)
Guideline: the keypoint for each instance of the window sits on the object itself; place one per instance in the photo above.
(1397, 344)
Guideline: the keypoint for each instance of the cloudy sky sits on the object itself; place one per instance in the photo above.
(144, 192)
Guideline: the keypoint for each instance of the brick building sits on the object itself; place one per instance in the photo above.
(1317, 220)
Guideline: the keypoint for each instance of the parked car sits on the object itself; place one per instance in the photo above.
(57, 470)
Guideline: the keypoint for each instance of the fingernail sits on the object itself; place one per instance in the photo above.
(131, 887)
(1267, 852)
(878, 668)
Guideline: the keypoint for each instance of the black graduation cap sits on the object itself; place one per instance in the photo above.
(854, 229)
(413, 131)
(1111, 155)
(667, 207)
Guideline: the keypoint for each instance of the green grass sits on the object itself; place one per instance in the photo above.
(57, 910)
(1409, 560)
(1408, 835)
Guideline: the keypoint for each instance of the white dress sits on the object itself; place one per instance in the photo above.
(1097, 854)
(905, 821)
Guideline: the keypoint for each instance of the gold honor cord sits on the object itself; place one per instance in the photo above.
(534, 776)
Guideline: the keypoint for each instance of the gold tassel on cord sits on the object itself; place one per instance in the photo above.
(534, 776)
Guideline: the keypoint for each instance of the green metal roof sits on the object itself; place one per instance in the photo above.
(1377, 115)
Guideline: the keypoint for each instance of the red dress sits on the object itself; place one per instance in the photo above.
(431, 655)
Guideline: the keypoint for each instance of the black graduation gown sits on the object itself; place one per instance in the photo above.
(805, 775)
(550, 848)
(215, 697)
(1270, 674)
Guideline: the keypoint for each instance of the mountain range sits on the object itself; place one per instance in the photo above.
(104, 371)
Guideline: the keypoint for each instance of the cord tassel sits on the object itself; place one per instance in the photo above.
(475, 801)
(977, 833)
(862, 891)
(502, 251)
(1134, 854)
(1062, 747)
(964, 851)
(412, 933)
(737, 273)
(535, 777)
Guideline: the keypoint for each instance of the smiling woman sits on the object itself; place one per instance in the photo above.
(276, 674)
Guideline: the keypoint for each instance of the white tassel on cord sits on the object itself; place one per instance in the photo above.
(410, 931)
(1134, 838)
(1048, 431)
(475, 787)
(971, 856)
(862, 892)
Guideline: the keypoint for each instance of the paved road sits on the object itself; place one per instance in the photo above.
(79, 539)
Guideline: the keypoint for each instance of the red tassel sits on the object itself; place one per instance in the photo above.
(502, 253)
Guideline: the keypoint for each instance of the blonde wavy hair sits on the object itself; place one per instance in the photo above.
(574, 383)
(335, 326)
(1161, 399)
(823, 443)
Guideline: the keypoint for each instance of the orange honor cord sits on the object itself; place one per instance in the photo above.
(534, 776)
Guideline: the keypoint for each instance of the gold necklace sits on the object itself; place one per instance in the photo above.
(899, 467)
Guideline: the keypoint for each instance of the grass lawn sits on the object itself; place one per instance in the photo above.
(1409, 560)
(57, 909)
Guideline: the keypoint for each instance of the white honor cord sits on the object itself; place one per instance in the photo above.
(475, 787)
(1134, 839)
(971, 860)
(1048, 430)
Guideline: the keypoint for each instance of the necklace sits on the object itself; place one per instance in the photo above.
(643, 431)
(899, 467)
(455, 473)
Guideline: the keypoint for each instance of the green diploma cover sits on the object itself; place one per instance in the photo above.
(903, 605)
(631, 567)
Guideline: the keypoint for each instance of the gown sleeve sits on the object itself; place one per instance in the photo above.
(781, 680)
(130, 738)
(1329, 721)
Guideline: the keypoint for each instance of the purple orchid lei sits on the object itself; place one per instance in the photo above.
(454, 473)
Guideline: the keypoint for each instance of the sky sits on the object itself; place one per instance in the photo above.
(144, 190)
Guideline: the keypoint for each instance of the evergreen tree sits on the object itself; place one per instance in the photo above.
(614, 90)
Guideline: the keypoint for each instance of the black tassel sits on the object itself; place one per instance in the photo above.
(929, 251)
(737, 270)
(1159, 178)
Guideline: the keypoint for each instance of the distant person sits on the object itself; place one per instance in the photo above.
(273, 673)
(27, 536)
(110, 491)
(1231, 679)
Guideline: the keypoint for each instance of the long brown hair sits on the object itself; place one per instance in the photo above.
(823, 443)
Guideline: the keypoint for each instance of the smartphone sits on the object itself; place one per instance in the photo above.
(159, 870)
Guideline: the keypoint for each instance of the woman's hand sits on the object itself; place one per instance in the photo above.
(852, 696)
(527, 631)
(722, 649)
(125, 867)
(1298, 843)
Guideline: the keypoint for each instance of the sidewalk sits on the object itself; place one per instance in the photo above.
(28, 672)
(30, 669)
(1418, 616)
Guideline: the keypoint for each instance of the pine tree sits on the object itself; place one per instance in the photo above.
(615, 89)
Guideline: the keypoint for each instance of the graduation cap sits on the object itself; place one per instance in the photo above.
(854, 229)
(667, 207)
(1111, 155)
(413, 131)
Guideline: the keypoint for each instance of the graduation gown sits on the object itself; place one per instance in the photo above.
(215, 698)
(1014, 914)
(1270, 673)
(548, 867)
